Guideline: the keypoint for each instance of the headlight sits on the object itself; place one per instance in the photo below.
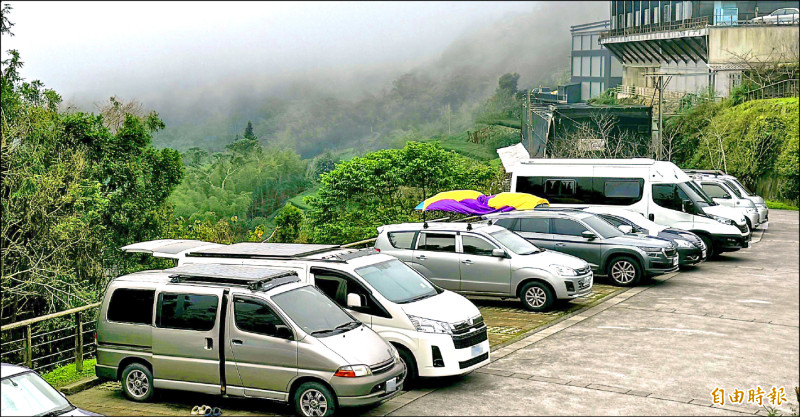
(564, 271)
(651, 251)
(352, 371)
(395, 353)
(430, 326)
(723, 220)
(683, 243)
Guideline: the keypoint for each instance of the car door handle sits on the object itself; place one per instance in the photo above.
(236, 342)
(466, 261)
(209, 343)
(422, 257)
(561, 245)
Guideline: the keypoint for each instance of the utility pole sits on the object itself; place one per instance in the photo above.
(660, 83)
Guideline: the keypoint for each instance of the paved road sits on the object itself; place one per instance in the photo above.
(653, 350)
(658, 349)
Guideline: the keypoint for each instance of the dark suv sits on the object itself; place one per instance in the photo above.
(624, 258)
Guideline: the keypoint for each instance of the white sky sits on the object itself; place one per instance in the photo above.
(135, 49)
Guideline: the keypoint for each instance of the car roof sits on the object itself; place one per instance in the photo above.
(8, 370)
(441, 226)
(551, 212)
(212, 275)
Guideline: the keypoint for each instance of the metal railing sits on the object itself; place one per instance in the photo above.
(780, 89)
(42, 343)
(693, 23)
(720, 19)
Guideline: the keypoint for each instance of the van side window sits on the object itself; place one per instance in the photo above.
(187, 311)
(437, 242)
(559, 188)
(255, 317)
(337, 287)
(568, 227)
(666, 195)
(131, 306)
(474, 245)
(627, 189)
(715, 191)
(507, 223)
(401, 240)
(533, 225)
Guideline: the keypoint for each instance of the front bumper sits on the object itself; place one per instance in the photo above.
(691, 256)
(763, 213)
(730, 243)
(574, 287)
(368, 390)
(453, 361)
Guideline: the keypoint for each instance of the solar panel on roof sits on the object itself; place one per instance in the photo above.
(233, 272)
(249, 249)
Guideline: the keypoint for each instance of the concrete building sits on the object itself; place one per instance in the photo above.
(594, 68)
(702, 46)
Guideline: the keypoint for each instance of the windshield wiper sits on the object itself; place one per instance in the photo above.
(60, 411)
(349, 324)
(417, 298)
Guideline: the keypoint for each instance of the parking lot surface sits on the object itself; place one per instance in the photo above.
(657, 349)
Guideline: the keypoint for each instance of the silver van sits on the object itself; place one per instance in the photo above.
(487, 260)
(242, 331)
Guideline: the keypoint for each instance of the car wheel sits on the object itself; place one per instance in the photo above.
(314, 399)
(137, 382)
(411, 368)
(709, 246)
(624, 271)
(536, 296)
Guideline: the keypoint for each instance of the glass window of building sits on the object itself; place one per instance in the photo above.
(646, 16)
(687, 10)
(616, 67)
(656, 15)
(667, 16)
(679, 11)
(585, 90)
(596, 89)
(596, 42)
(586, 66)
(576, 42)
(576, 66)
(597, 66)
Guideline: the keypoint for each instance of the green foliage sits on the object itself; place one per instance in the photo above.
(383, 187)
(67, 374)
(287, 224)
(777, 205)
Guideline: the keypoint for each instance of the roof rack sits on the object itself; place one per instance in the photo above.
(353, 254)
(281, 251)
(253, 277)
(705, 171)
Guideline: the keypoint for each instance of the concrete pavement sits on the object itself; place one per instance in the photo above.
(660, 349)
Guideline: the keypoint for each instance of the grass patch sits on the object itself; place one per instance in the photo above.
(780, 206)
(297, 200)
(65, 375)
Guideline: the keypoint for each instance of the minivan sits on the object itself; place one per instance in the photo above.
(724, 195)
(240, 331)
(659, 190)
(480, 259)
(437, 332)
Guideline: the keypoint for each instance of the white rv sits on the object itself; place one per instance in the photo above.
(658, 190)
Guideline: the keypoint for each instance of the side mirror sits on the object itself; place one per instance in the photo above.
(624, 228)
(499, 253)
(687, 206)
(353, 300)
(283, 332)
(588, 235)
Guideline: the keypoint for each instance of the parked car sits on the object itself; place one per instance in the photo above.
(25, 393)
(626, 259)
(736, 185)
(242, 331)
(691, 249)
(658, 190)
(722, 194)
(479, 259)
(785, 16)
(438, 332)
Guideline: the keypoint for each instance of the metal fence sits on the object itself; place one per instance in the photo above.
(780, 89)
(43, 343)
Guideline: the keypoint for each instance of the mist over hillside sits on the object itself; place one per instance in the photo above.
(373, 107)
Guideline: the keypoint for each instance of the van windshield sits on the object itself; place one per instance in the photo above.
(397, 282)
(696, 194)
(514, 242)
(734, 189)
(315, 313)
(746, 190)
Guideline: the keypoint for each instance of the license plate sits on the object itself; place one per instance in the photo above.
(675, 261)
(477, 350)
(391, 385)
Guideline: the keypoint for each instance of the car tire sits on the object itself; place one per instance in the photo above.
(624, 271)
(137, 382)
(710, 253)
(314, 399)
(411, 368)
(537, 296)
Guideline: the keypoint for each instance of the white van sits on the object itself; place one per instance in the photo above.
(658, 190)
(438, 332)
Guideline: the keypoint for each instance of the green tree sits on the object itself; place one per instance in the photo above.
(287, 224)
